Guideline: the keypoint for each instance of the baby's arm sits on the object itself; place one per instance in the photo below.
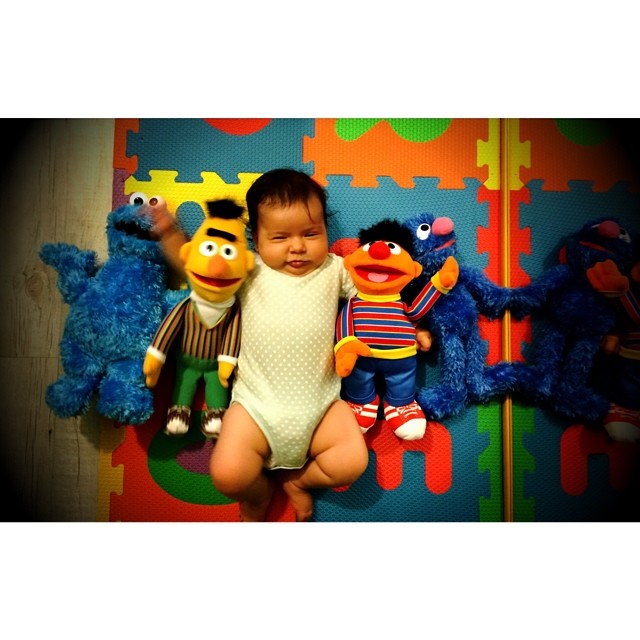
(171, 237)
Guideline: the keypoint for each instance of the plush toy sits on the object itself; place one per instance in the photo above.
(464, 376)
(574, 318)
(216, 262)
(621, 375)
(114, 311)
(375, 330)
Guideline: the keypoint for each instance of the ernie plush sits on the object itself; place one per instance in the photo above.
(216, 262)
(376, 329)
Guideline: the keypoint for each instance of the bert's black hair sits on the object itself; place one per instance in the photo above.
(389, 230)
(225, 208)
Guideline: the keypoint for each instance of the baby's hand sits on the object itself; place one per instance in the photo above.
(347, 354)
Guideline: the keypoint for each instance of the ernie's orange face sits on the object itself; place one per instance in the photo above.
(381, 268)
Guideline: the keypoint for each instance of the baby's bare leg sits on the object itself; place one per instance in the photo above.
(237, 461)
(338, 456)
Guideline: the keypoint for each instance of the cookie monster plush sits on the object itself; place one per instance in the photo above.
(114, 311)
(574, 318)
(464, 377)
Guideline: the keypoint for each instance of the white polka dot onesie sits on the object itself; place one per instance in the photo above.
(285, 376)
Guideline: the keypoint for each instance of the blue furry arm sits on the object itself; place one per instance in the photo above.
(532, 297)
(75, 268)
(491, 299)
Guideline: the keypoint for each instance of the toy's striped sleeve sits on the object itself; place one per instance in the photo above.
(423, 302)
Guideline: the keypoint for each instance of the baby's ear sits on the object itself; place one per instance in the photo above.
(185, 250)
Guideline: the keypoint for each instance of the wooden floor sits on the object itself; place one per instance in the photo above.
(56, 187)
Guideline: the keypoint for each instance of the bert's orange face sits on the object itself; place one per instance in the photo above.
(217, 260)
(381, 268)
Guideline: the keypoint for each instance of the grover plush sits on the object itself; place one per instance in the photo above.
(114, 311)
(375, 330)
(216, 262)
(464, 375)
(574, 319)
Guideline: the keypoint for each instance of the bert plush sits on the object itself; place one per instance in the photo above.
(375, 330)
(216, 261)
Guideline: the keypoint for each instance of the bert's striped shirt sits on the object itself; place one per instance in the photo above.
(218, 342)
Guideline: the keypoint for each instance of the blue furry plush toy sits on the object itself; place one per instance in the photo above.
(574, 318)
(465, 377)
(114, 312)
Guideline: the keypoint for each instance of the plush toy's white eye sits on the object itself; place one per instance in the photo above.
(423, 231)
(365, 247)
(208, 248)
(624, 235)
(395, 249)
(138, 198)
(157, 201)
(228, 252)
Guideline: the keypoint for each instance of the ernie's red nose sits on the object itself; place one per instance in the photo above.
(379, 250)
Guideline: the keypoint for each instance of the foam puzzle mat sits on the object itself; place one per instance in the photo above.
(533, 181)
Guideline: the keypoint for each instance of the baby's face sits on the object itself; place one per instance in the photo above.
(292, 239)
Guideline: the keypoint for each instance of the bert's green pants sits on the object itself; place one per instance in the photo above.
(189, 371)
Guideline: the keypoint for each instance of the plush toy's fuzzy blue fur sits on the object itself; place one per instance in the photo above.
(574, 319)
(465, 377)
(114, 312)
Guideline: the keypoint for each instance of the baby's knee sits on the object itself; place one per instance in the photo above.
(225, 478)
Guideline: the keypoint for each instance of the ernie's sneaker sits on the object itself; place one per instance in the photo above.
(623, 425)
(366, 414)
(408, 422)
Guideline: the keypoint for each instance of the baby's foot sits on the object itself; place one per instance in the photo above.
(252, 512)
(256, 509)
(301, 500)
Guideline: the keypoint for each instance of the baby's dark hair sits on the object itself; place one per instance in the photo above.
(283, 187)
(390, 230)
(224, 208)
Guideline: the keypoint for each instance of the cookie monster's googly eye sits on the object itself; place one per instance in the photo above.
(395, 249)
(208, 248)
(228, 252)
(365, 247)
(138, 198)
(157, 201)
(624, 236)
(423, 231)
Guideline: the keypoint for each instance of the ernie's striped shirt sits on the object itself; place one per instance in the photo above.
(384, 323)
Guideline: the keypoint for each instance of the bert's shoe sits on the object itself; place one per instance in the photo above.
(178, 420)
(212, 422)
(366, 414)
(408, 422)
(623, 425)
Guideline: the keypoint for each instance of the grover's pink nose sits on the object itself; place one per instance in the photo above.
(442, 226)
